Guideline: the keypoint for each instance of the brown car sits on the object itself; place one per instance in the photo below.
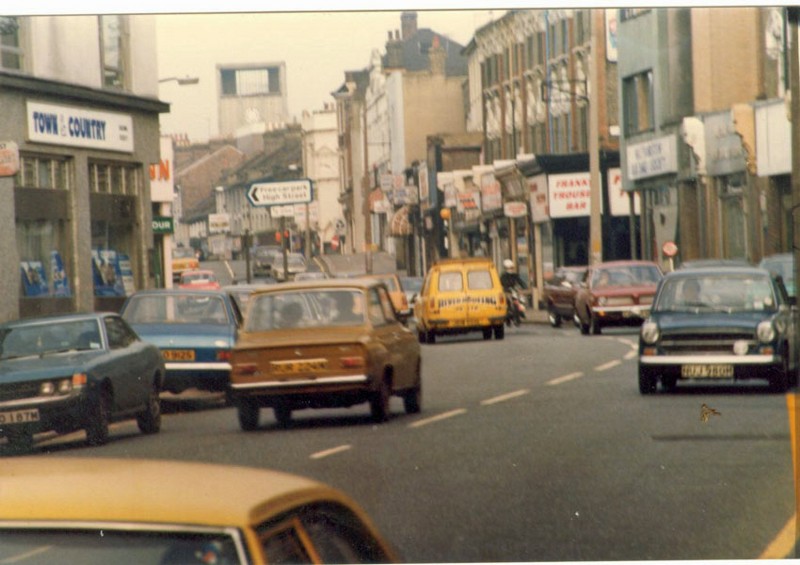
(322, 344)
(559, 293)
(616, 293)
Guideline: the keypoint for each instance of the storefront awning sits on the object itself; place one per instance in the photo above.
(400, 225)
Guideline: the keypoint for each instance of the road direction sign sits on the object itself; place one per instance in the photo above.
(280, 193)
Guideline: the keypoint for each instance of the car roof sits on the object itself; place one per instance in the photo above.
(151, 491)
(359, 282)
(58, 318)
(167, 291)
(719, 270)
(623, 263)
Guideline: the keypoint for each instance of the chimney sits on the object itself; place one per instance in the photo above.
(394, 51)
(408, 21)
(437, 55)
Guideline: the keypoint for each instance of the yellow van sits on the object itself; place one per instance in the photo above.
(460, 296)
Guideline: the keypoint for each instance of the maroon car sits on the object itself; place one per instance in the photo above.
(559, 292)
(616, 293)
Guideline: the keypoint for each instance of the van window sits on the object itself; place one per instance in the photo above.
(450, 282)
(479, 280)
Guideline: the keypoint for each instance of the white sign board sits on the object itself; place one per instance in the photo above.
(540, 208)
(79, 127)
(652, 158)
(286, 211)
(280, 193)
(569, 195)
(162, 174)
(618, 198)
(219, 223)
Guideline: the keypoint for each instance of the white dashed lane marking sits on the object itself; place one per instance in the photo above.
(329, 452)
(504, 397)
(438, 418)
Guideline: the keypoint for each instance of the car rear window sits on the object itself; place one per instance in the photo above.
(479, 280)
(451, 282)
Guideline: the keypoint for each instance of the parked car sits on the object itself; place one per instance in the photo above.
(396, 292)
(183, 259)
(295, 262)
(460, 296)
(321, 344)
(241, 292)
(76, 371)
(195, 331)
(698, 263)
(782, 264)
(199, 279)
(616, 293)
(718, 324)
(261, 258)
(106, 510)
(559, 292)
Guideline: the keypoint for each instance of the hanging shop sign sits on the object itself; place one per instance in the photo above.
(540, 209)
(9, 159)
(620, 199)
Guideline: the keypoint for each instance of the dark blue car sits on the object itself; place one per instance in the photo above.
(718, 324)
(78, 371)
(195, 331)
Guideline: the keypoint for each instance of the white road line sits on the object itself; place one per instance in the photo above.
(607, 366)
(28, 555)
(432, 419)
(329, 452)
(565, 378)
(631, 354)
(230, 269)
(628, 342)
(504, 397)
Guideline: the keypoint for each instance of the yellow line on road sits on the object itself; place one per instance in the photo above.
(432, 419)
(329, 452)
(782, 545)
(565, 378)
(504, 397)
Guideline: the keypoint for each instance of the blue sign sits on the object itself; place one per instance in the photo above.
(34, 280)
(107, 274)
(58, 275)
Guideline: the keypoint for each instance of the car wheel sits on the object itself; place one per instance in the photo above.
(779, 379)
(647, 381)
(595, 325)
(379, 402)
(248, 415)
(553, 318)
(487, 333)
(149, 421)
(20, 440)
(421, 336)
(412, 398)
(430, 336)
(583, 327)
(99, 418)
(499, 332)
(283, 414)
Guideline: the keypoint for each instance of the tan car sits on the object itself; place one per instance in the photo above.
(183, 259)
(105, 510)
(460, 296)
(396, 292)
(322, 344)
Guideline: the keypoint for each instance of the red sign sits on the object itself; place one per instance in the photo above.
(9, 159)
(670, 249)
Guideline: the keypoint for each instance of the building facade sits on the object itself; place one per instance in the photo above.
(251, 96)
(81, 111)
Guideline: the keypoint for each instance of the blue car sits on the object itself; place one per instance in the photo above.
(718, 324)
(195, 331)
(78, 371)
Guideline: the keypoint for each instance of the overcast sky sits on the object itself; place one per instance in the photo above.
(317, 47)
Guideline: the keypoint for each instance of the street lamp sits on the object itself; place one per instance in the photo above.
(182, 81)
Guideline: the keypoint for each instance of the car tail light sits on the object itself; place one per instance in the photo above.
(223, 355)
(245, 369)
(501, 299)
(352, 362)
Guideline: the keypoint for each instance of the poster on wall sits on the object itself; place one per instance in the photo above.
(34, 280)
(58, 275)
(126, 273)
(107, 275)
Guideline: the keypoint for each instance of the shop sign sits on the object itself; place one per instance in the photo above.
(79, 127)
(9, 159)
(286, 211)
(569, 195)
(618, 198)
(515, 209)
(540, 209)
(162, 184)
(724, 151)
(424, 190)
(219, 223)
(381, 206)
(446, 184)
(491, 195)
(163, 225)
(387, 182)
(652, 158)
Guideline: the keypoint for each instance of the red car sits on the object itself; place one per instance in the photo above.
(199, 279)
(616, 293)
(559, 293)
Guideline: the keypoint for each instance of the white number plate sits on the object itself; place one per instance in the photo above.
(19, 416)
(707, 371)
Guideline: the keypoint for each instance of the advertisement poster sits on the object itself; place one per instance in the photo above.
(126, 273)
(107, 275)
(34, 280)
(58, 275)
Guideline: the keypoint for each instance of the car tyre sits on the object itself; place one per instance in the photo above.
(595, 325)
(647, 381)
(499, 331)
(583, 327)
(421, 337)
(412, 398)
(430, 336)
(149, 421)
(553, 318)
(379, 401)
(283, 415)
(780, 378)
(99, 419)
(248, 413)
(487, 333)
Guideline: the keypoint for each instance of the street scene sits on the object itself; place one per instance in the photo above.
(426, 286)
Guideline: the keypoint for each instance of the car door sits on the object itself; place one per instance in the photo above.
(391, 334)
(129, 369)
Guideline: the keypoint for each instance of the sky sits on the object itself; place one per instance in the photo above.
(317, 47)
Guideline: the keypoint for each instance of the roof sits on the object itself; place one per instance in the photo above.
(60, 318)
(362, 282)
(710, 271)
(415, 53)
(148, 491)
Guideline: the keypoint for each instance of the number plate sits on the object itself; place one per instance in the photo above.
(707, 371)
(291, 367)
(19, 416)
(178, 354)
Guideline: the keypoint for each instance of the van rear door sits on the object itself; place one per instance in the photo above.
(451, 298)
(485, 300)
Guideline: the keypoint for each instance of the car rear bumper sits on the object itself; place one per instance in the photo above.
(344, 390)
(213, 377)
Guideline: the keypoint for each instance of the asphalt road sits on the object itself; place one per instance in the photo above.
(535, 448)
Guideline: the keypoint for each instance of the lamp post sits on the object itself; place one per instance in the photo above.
(182, 81)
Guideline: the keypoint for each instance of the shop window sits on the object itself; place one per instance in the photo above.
(113, 49)
(43, 172)
(11, 52)
(115, 178)
(638, 101)
(42, 248)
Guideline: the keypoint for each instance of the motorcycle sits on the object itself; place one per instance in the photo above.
(516, 308)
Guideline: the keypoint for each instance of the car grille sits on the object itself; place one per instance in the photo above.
(18, 391)
(704, 341)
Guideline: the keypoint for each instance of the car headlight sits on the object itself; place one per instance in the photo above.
(765, 332)
(47, 388)
(650, 333)
(602, 301)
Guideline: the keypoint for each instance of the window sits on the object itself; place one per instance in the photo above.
(11, 53)
(479, 280)
(450, 282)
(115, 178)
(250, 82)
(119, 335)
(638, 101)
(42, 248)
(113, 50)
(375, 312)
(43, 172)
